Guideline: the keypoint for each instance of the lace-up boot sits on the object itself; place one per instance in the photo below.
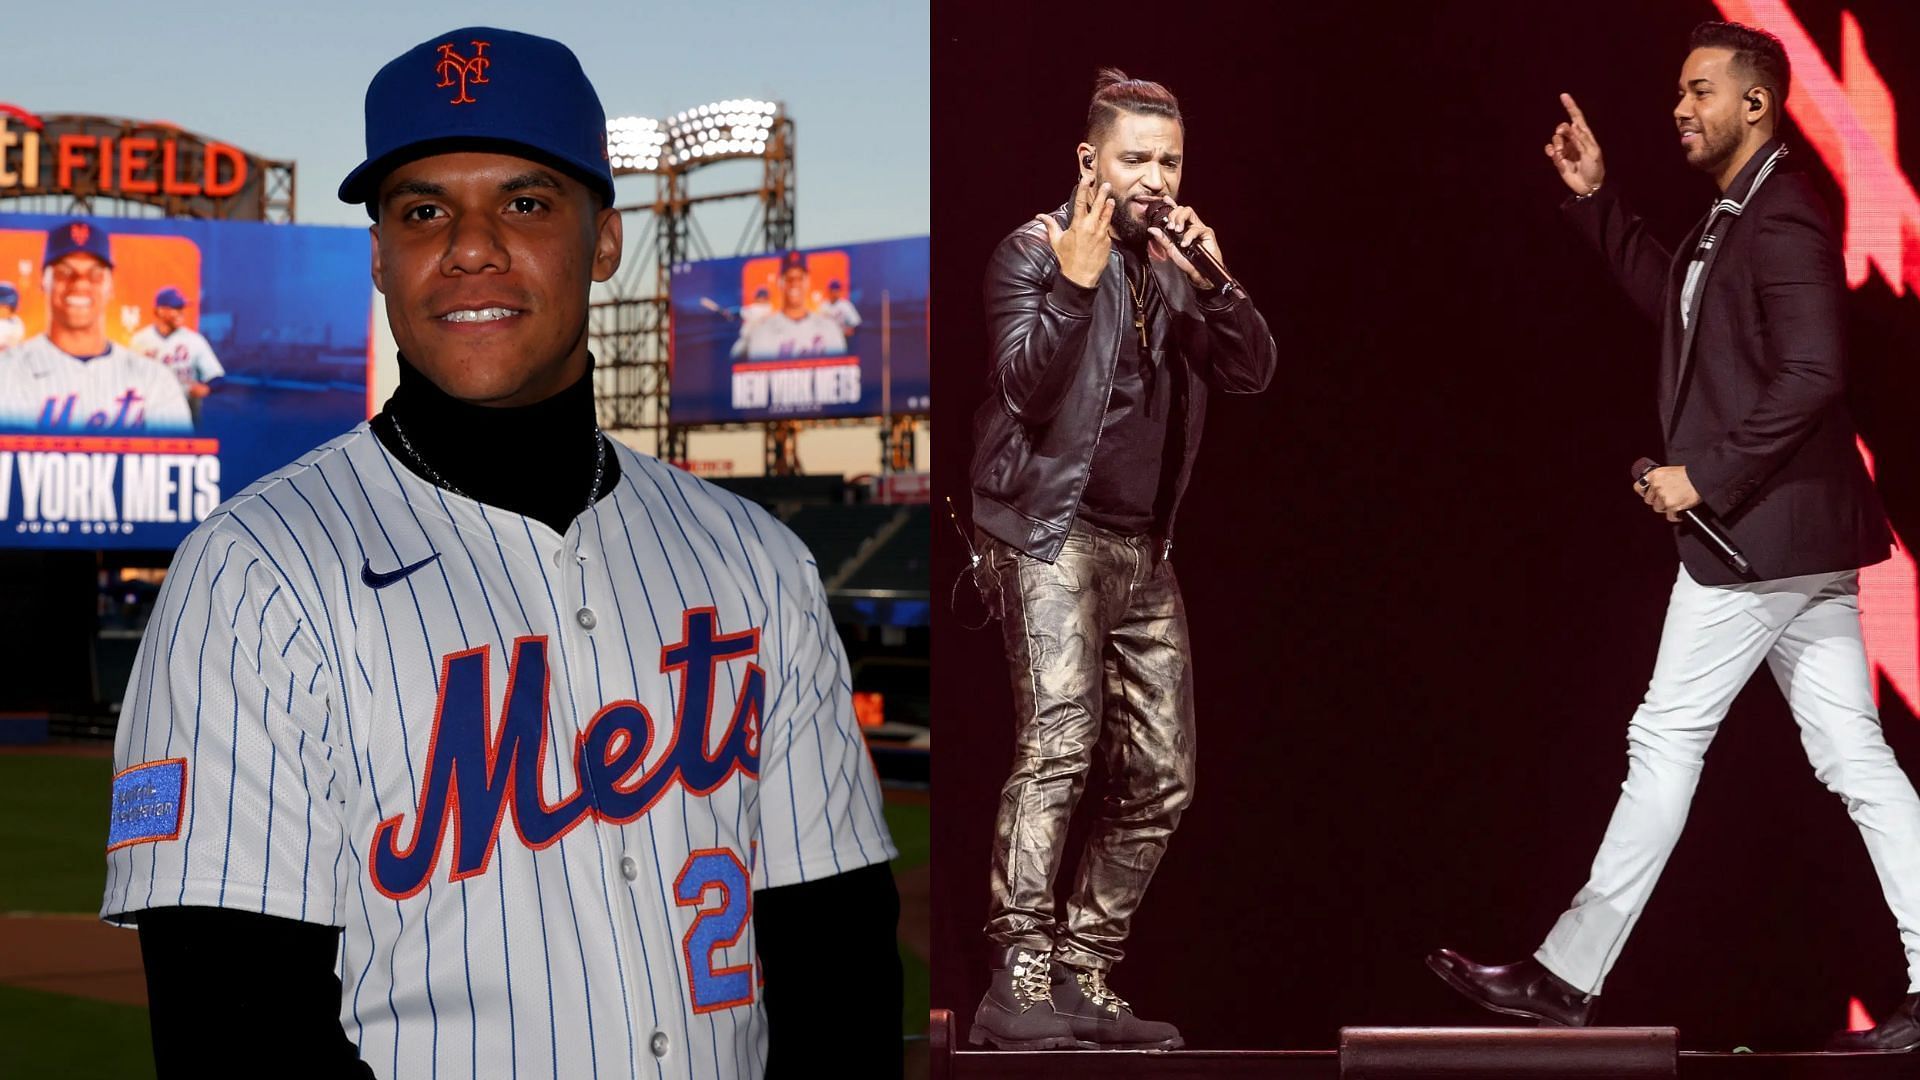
(1017, 1011)
(1100, 1019)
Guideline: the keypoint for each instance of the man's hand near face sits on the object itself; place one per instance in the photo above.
(1574, 151)
(1082, 247)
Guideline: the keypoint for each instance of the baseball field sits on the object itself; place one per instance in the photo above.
(72, 994)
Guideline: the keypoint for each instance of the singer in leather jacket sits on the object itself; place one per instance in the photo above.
(1054, 347)
(1110, 320)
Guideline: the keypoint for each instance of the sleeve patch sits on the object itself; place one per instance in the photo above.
(149, 801)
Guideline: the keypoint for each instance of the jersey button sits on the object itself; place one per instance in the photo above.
(659, 1044)
(585, 618)
(630, 870)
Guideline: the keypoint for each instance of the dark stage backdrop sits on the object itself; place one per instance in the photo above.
(1424, 600)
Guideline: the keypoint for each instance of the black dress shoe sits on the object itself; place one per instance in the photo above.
(1899, 1031)
(1523, 989)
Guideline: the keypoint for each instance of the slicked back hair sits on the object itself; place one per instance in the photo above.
(1115, 93)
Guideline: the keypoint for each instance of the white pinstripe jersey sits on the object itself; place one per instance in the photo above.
(184, 352)
(43, 388)
(530, 775)
(778, 337)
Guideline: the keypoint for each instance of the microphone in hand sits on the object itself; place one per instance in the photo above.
(1709, 529)
(1192, 251)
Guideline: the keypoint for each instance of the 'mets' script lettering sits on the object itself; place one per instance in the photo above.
(472, 780)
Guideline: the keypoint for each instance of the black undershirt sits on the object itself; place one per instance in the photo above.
(1125, 480)
(536, 460)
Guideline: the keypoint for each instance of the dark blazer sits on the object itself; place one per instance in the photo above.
(1751, 391)
(1055, 345)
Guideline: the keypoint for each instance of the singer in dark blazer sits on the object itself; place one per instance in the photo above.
(1750, 391)
(1751, 386)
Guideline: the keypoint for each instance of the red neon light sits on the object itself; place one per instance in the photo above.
(1890, 618)
(1849, 120)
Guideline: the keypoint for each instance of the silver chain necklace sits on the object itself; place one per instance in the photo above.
(593, 494)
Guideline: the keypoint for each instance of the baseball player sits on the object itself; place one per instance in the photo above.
(73, 378)
(179, 348)
(488, 746)
(841, 310)
(794, 329)
(11, 329)
(761, 307)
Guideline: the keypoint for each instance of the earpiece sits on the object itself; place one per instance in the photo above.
(1753, 103)
(1086, 160)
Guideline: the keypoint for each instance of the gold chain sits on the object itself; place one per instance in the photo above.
(1139, 305)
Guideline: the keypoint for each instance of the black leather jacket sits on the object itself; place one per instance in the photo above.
(1055, 345)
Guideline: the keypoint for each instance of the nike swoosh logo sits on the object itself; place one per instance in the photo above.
(377, 580)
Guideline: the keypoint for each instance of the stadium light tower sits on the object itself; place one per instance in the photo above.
(630, 327)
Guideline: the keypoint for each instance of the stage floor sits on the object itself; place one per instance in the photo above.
(953, 1060)
(1325, 1065)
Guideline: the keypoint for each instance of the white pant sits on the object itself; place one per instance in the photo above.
(1808, 631)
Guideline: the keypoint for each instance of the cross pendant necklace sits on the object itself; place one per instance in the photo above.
(1139, 305)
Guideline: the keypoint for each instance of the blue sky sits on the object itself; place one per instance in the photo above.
(287, 80)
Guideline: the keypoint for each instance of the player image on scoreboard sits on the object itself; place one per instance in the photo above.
(841, 310)
(799, 325)
(177, 347)
(794, 326)
(72, 370)
(150, 368)
(832, 332)
(12, 330)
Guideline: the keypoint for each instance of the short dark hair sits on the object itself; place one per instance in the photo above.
(1758, 54)
(1114, 93)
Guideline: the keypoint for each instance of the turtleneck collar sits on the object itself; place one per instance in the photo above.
(536, 460)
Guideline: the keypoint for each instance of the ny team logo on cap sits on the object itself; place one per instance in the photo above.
(539, 106)
(452, 65)
(77, 237)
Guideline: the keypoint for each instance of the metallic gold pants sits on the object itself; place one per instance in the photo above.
(1097, 643)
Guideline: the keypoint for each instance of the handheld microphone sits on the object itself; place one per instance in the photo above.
(1199, 256)
(1717, 539)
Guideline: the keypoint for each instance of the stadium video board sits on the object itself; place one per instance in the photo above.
(150, 369)
(798, 335)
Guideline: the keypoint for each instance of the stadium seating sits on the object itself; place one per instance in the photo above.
(900, 563)
(836, 534)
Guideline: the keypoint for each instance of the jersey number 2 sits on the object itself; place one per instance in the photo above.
(715, 928)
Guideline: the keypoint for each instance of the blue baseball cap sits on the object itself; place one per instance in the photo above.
(84, 237)
(792, 260)
(483, 88)
(170, 297)
(9, 295)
